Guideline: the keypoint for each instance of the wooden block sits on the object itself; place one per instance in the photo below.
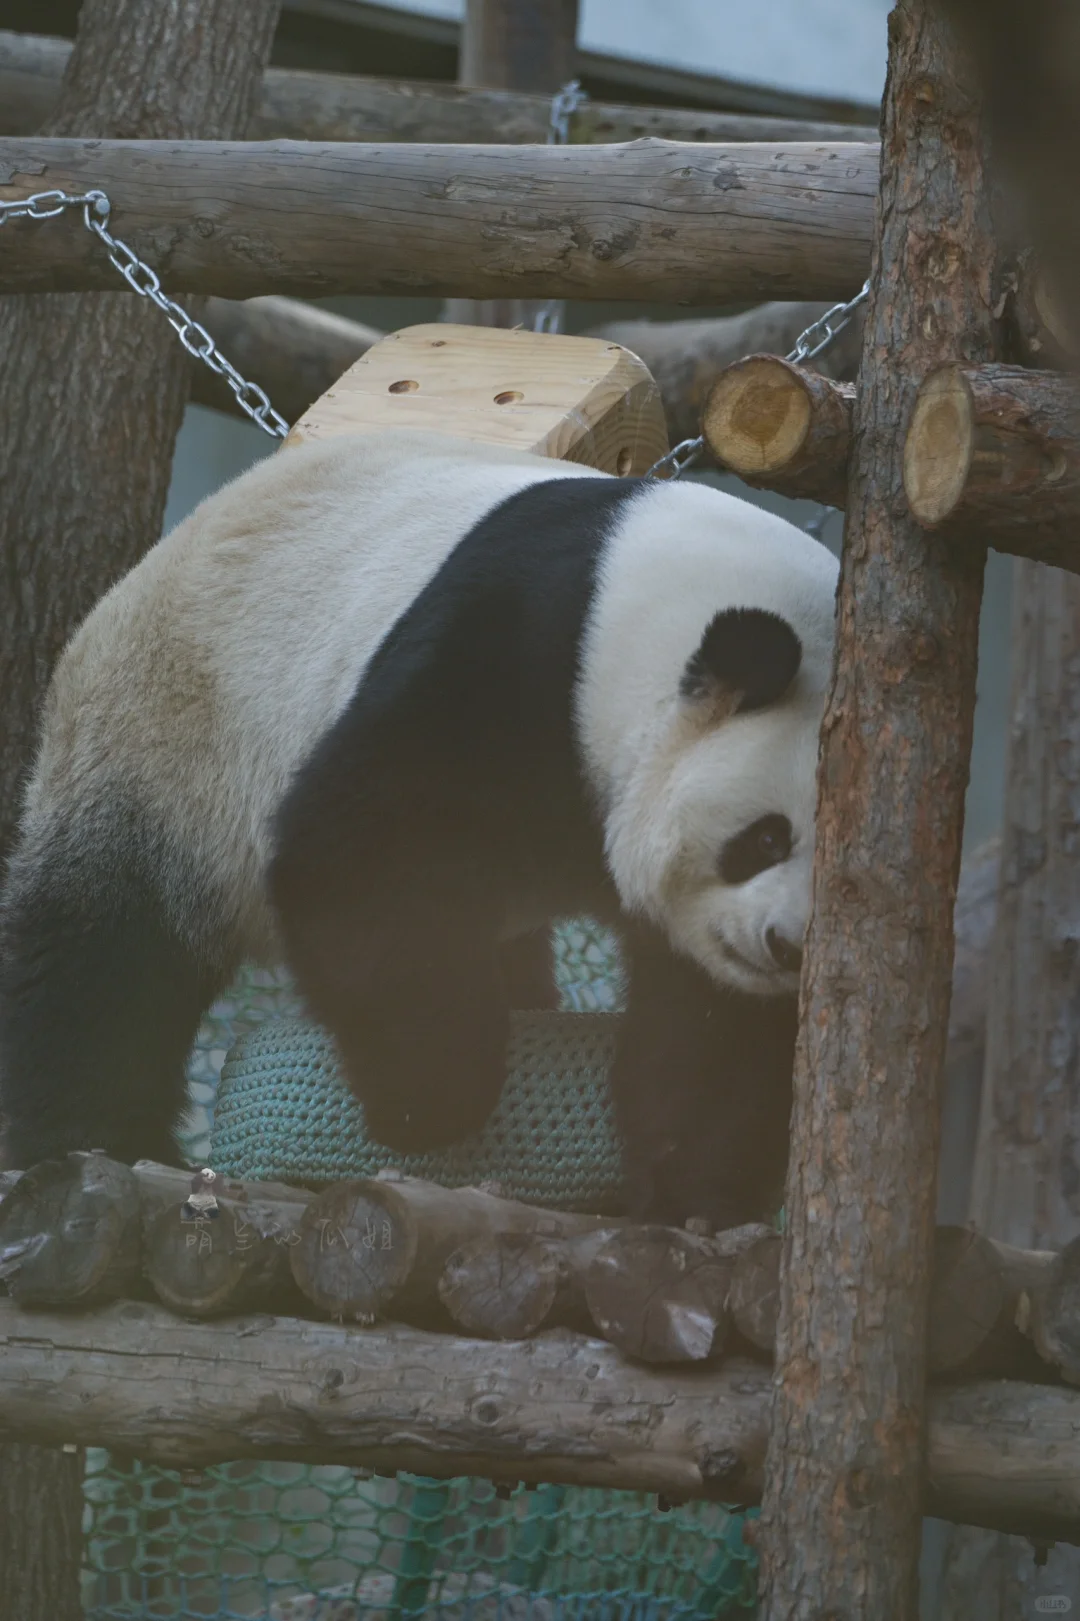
(579, 399)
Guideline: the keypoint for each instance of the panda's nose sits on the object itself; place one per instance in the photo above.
(785, 954)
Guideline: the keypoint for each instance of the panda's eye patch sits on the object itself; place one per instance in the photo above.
(765, 843)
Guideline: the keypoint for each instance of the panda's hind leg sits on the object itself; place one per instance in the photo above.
(110, 952)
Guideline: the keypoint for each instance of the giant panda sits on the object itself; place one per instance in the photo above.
(381, 703)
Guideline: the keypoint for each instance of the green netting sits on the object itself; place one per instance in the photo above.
(289, 1542)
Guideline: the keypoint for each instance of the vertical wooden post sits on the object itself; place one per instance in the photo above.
(1027, 1163)
(842, 1509)
(513, 45)
(518, 44)
(93, 395)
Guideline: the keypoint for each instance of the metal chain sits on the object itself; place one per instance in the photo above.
(818, 335)
(44, 205)
(564, 104)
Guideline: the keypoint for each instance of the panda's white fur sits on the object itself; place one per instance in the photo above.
(208, 671)
(198, 688)
(675, 786)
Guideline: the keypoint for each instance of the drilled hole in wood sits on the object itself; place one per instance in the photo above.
(623, 462)
(509, 396)
(407, 385)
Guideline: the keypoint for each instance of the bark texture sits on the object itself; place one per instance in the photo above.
(1027, 1170)
(653, 220)
(841, 1515)
(103, 380)
(782, 427)
(304, 106)
(561, 1407)
(296, 351)
(686, 357)
(94, 390)
(514, 45)
(994, 452)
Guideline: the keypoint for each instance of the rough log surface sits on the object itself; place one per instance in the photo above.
(510, 1285)
(560, 1407)
(70, 1233)
(296, 351)
(660, 1295)
(686, 357)
(104, 381)
(782, 427)
(994, 452)
(841, 1529)
(1027, 1168)
(653, 219)
(304, 106)
(513, 45)
(367, 1245)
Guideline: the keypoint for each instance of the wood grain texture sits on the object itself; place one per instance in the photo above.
(577, 399)
(560, 1407)
(650, 220)
(994, 451)
(1027, 1163)
(296, 351)
(94, 388)
(841, 1515)
(94, 391)
(782, 427)
(295, 105)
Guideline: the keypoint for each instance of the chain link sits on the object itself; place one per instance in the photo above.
(44, 205)
(564, 104)
(817, 336)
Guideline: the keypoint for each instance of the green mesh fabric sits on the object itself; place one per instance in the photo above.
(288, 1542)
(291, 1542)
(283, 1112)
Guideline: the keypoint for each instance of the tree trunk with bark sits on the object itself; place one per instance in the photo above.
(1027, 1168)
(296, 105)
(514, 45)
(993, 452)
(650, 220)
(841, 1517)
(94, 391)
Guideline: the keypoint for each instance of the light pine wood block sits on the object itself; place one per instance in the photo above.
(578, 399)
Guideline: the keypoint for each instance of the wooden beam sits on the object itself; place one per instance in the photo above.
(305, 106)
(782, 427)
(677, 87)
(994, 452)
(85, 380)
(842, 1513)
(647, 221)
(514, 45)
(134, 1379)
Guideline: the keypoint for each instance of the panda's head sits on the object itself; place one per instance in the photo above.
(706, 750)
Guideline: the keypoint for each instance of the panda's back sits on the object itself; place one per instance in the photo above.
(208, 673)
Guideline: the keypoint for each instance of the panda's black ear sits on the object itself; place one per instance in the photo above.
(747, 659)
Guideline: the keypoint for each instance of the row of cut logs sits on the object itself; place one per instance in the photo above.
(86, 1230)
(990, 451)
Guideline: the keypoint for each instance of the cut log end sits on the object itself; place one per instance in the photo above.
(757, 417)
(939, 447)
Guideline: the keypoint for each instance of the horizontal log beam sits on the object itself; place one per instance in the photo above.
(782, 427)
(303, 106)
(651, 220)
(136, 1380)
(994, 451)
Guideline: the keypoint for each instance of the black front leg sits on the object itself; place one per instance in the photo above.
(702, 1091)
(403, 971)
